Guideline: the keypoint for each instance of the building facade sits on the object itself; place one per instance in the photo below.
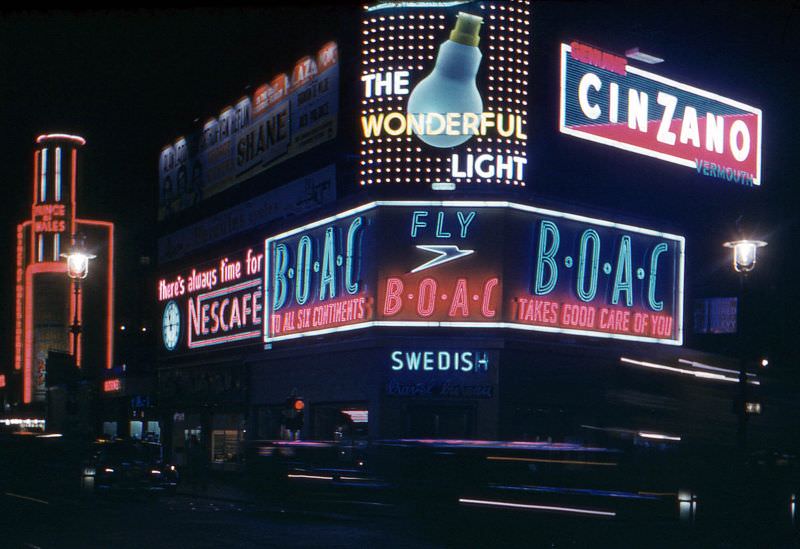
(392, 232)
(48, 303)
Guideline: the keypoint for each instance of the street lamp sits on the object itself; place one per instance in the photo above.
(744, 261)
(77, 269)
(744, 254)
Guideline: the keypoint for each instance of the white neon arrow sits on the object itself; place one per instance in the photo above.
(446, 253)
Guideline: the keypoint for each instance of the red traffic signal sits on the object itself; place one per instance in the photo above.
(298, 405)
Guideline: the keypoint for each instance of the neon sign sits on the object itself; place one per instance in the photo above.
(440, 361)
(443, 93)
(314, 277)
(228, 314)
(49, 218)
(609, 102)
(441, 373)
(595, 279)
(555, 272)
(112, 385)
(450, 271)
(221, 302)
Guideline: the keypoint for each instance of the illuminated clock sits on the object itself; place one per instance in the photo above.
(171, 325)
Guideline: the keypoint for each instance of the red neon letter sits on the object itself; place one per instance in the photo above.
(460, 299)
(394, 301)
(426, 303)
(487, 297)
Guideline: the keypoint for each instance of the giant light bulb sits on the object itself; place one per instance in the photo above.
(450, 87)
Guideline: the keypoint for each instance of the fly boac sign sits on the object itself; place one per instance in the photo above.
(473, 264)
(605, 100)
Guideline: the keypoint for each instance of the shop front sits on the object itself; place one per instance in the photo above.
(202, 408)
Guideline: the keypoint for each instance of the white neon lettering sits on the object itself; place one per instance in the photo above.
(589, 80)
(715, 133)
(637, 110)
(480, 170)
(689, 127)
(669, 102)
(398, 364)
(613, 103)
(740, 128)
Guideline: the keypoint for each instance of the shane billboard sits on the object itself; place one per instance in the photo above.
(284, 118)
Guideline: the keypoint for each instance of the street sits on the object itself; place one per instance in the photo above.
(133, 522)
(457, 499)
(31, 520)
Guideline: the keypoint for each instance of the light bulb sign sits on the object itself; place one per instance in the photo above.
(444, 93)
(438, 264)
(214, 303)
(605, 100)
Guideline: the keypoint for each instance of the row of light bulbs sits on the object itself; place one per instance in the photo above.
(499, 108)
(431, 180)
(364, 143)
(402, 17)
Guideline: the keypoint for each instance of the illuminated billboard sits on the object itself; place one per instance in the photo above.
(47, 302)
(469, 264)
(605, 100)
(214, 303)
(316, 279)
(286, 117)
(444, 93)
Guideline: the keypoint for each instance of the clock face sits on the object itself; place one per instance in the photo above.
(171, 325)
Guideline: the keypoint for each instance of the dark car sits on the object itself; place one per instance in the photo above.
(128, 465)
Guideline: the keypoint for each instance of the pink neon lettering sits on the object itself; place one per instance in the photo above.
(204, 316)
(459, 299)
(394, 301)
(214, 317)
(225, 327)
(427, 297)
(194, 317)
(487, 297)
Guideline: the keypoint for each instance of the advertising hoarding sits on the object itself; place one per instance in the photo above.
(469, 264)
(284, 118)
(296, 197)
(444, 93)
(213, 303)
(605, 100)
(317, 279)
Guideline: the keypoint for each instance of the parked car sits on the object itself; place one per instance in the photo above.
(128, 465)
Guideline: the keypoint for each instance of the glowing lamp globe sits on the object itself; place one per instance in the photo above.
(744, 254)
(78, 264)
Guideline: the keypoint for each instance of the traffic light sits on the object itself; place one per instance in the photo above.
(293, 412)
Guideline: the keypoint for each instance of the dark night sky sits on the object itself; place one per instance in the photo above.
(131, 81)
(128, 82)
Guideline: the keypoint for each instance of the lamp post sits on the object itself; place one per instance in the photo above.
(77, 269)
(744, 261)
